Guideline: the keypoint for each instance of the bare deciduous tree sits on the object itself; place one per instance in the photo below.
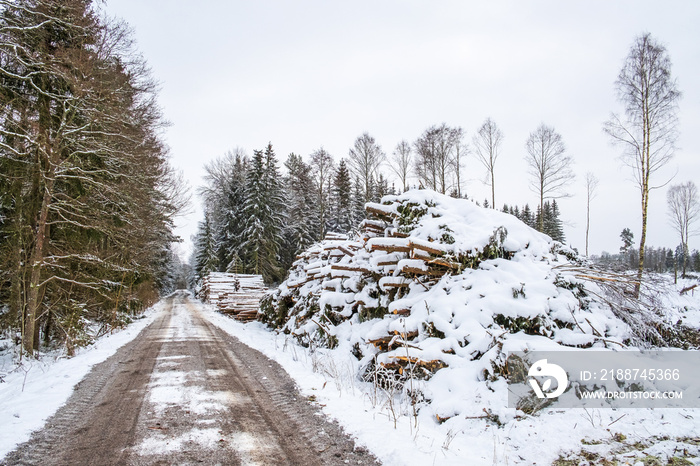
(683, 210)
(322, 168)
(401, 162)
(487, 143)
(648, 130)
(364, 158)
(591, 186)
(548, 165)
(425, 147)
(435, 150)
(459, 152)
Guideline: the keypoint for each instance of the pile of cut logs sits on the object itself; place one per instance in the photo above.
(383, 254)
(237, 295)
(412, 257)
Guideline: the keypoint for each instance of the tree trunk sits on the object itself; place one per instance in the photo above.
(47, 329)
(540, 225)
(645, 175)
(31, 342)
(588, 223)
(643, 238)
(685, 258)
(34, 296)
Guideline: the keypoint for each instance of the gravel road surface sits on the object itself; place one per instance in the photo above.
(185, 392)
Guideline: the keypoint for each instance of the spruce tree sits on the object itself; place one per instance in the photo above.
(549, 226)
(556, 226)
(380, 188)
(254, 211)
(224, 196)
(205, 249)
(696, 261)
(358, 203)
(528, 216)
(343, 214)
(549, 219)
(670, 260)
(231, 224)
(263, 217)
(299, 222)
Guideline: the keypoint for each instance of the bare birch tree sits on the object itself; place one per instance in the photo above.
(322, 169)
(425, 149)
(683, 210)
(591, 186)
(487, 143)
(549, 166)
(648, 129)
(459, 153)
(364, 159)
(401, 162)
(435, 150)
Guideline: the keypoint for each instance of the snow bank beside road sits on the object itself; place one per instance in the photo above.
(37, 389)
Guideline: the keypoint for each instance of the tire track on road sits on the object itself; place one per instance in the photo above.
(83, 431)
(186, 392)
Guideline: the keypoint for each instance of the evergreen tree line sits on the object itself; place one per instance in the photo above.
(87, 196)
(660, 260)
(257, 220)
(550, 215)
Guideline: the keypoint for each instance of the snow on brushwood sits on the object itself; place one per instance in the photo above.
(438, 289)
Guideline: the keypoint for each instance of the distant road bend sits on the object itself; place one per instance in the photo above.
(185, 392)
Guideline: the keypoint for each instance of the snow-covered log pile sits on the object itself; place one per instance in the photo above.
(440, 289)
(237, 295)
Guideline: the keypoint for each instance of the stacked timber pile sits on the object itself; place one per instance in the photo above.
(237, 295)
(440, 289)
(422, 265)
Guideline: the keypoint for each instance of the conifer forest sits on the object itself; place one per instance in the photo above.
(87, 193)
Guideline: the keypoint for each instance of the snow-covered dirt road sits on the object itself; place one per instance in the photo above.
(185, 392)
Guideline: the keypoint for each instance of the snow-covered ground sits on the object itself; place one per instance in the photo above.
(33, 391)
(390, 430)
(396, 437)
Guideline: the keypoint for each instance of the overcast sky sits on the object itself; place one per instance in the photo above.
(306, 74)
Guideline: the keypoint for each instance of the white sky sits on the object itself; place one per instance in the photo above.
(306, 74)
